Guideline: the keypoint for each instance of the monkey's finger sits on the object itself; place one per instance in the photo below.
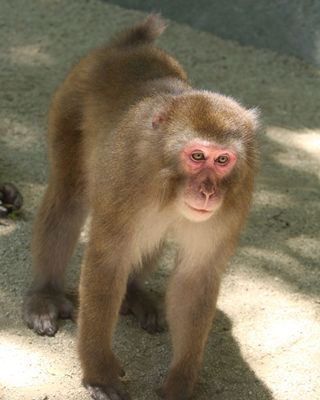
(41, 318)
(125, 308)
(44, 325)
(107, 393)
(41, 312)
(153, 321)
(66, 309)
(149, 323)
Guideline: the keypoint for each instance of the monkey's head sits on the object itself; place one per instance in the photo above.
(210, 142)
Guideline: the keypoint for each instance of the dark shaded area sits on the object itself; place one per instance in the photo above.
(288, 26)
(217, 380)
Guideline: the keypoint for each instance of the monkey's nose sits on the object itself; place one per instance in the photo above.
(207, 189)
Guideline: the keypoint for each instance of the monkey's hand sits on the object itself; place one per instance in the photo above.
(145, 309)
(103, 392)
(177, 386)
(10, 199)
(41, 310)
(106, 382)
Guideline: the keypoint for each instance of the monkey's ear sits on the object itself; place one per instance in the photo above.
(254, 115)
(158, 119)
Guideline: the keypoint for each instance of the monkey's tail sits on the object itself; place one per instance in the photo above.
(144, 32)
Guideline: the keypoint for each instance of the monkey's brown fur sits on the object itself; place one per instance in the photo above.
(118, 128)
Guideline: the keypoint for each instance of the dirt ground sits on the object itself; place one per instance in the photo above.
(265, 341)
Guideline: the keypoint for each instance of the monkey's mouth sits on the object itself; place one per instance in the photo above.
(199, 210)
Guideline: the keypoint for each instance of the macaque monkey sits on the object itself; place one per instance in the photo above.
(133, 143)
(10, 199)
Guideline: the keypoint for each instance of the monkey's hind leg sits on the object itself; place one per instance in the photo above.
(56, 231)
(141, 304)
(59, 219)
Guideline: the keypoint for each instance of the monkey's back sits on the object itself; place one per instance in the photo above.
(114, 79)
(96, 95)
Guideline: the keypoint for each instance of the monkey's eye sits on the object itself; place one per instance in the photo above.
(222, 160)
(198, 156)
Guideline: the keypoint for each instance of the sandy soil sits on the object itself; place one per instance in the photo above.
(265, 341)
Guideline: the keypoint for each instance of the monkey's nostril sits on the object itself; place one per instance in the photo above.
(207, 187)
(206, 194)
(207, 190)
(202, 193)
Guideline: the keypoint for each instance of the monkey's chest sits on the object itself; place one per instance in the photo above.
(151, 230)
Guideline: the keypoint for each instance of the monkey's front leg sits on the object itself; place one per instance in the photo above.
(102, 288)
(191, 305)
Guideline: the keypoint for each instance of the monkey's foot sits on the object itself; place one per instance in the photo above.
(176, 387)
(165, 395)
(10, 199)
(105, 392)
(41, 311)
(147, 312)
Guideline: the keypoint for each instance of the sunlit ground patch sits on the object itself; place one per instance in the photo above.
(20, 366)
(30, 55)
(301, 148)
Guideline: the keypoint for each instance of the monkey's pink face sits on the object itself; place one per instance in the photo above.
(205, 164)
